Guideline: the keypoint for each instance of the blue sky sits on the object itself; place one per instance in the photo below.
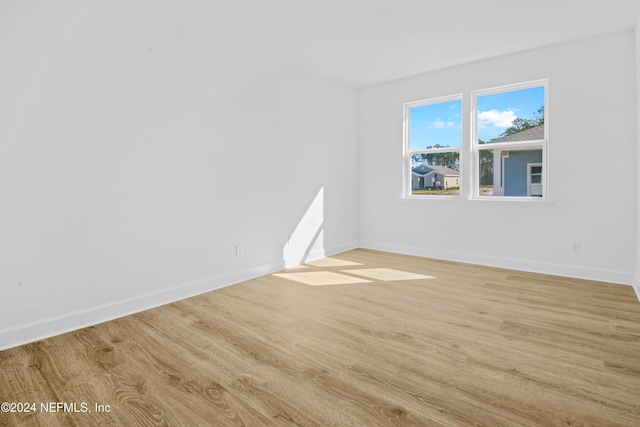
(496, 112)
(442, 123)
(436, 124)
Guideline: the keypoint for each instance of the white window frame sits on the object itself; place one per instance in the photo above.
(542, 144)
(408, 153)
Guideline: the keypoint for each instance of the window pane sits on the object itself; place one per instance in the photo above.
(435, 125)
(515, 173)
(536, 175)
(435, 174)
(511, 116)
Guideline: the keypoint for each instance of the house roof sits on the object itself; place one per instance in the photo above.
(424, 169)
(531, 134)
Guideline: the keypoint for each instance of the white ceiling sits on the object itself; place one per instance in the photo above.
(365, 42)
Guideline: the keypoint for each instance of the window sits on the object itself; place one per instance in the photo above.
(509, 142)
(505, 157)
(534, 179)
(433, 141)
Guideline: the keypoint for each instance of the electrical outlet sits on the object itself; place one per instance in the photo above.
(575, 247)
(239, 250)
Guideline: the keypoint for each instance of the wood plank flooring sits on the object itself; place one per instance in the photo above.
(456, 345)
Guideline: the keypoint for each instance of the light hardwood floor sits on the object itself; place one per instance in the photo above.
(360, 343)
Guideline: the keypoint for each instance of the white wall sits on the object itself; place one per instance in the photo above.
(592, 131)
(637, 270)
(136, 151)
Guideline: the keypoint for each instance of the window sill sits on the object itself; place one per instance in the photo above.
(505, 201)
(518, 201)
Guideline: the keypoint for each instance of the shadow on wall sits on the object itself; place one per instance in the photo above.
(306, 242)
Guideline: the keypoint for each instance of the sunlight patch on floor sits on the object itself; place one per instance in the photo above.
(332, 262)
(297, 267)
(321, 278)
(386, 274)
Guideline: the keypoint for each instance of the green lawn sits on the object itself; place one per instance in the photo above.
(485, 190)
(447, 192)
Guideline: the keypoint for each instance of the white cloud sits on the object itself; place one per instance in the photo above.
(496, 119)
(439, 124)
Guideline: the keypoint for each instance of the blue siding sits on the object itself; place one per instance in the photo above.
(515, 171)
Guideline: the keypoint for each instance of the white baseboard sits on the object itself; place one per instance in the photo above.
(320, 253)
(31, 332)
(27, 333)
(338, 249)
(509, 263)
(636, 287)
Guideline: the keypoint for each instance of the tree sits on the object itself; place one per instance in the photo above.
(520, 124)
(485, 165)
(449, 159)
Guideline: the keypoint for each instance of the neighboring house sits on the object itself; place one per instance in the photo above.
(519, 171)
(427, 176)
